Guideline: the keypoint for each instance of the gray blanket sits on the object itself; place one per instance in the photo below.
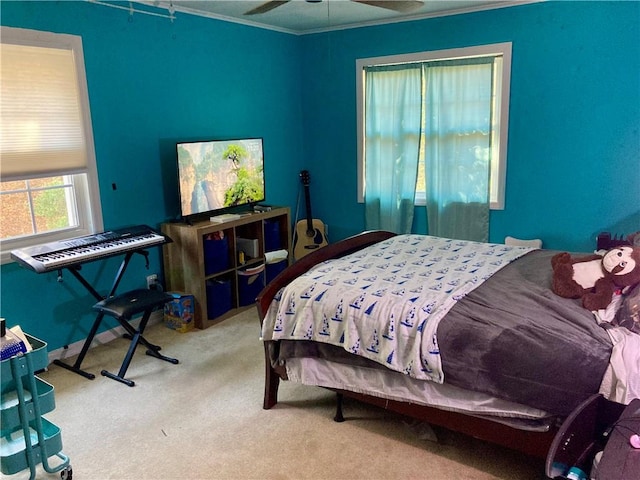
(512, 338)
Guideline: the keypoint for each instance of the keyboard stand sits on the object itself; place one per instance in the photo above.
(96, 324)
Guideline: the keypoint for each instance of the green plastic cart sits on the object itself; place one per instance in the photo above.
(26, 437)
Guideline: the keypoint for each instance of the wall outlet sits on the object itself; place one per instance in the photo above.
(152, 280)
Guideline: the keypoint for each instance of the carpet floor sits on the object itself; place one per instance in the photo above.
(203, 419)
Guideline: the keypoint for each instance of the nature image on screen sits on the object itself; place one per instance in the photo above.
(219, 174)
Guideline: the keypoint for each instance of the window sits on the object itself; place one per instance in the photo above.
(49, 188)
(498, 56)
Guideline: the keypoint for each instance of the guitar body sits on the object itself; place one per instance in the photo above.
(306, 243)
(310, 234)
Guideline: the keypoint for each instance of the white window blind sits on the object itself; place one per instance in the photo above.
(42, 130)
(48, 174)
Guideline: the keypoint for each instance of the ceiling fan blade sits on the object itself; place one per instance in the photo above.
(395, 5)
(265, 7)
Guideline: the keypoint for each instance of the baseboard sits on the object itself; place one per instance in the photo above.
(100, 339)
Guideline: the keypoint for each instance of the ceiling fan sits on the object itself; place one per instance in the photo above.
(397, 5)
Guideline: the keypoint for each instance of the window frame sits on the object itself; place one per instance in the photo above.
(503, 49)
(85, 185)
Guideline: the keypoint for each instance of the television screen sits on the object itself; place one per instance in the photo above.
(219, 174)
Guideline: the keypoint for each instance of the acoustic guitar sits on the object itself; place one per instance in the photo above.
(310, 234)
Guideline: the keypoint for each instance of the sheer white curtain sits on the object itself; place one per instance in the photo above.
(458, 104)
(392, 131)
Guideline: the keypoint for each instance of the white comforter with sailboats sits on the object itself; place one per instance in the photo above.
(385, 302)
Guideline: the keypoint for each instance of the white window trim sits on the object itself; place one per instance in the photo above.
(503, 49)
(86, 185)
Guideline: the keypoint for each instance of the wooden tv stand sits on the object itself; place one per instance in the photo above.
(218, 282)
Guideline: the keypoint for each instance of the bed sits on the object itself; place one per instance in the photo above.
(493, 353)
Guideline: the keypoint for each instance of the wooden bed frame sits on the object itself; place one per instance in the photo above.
(533, 443)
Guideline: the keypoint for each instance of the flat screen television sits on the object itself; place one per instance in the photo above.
(215, 176)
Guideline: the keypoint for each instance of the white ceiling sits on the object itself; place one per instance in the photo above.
(301, 16)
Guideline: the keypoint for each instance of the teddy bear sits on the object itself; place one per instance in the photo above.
(595, 278)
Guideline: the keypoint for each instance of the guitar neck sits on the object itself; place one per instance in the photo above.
(307, 197)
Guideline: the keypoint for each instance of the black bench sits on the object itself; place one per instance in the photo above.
(123, 307)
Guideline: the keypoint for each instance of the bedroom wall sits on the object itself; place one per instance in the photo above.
(574, 131)
(151, 83)
(574, 144)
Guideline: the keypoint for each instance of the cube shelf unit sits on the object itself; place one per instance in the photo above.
(205, 261)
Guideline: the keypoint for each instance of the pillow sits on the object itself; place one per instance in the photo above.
(628, 315)
(518, 242)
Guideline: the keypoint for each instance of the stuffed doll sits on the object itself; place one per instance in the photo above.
(595, 278)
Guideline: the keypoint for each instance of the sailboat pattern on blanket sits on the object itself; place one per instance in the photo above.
(385, 302)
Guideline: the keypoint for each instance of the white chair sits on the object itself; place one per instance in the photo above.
(517, 242)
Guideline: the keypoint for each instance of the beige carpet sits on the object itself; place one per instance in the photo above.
(203, 419)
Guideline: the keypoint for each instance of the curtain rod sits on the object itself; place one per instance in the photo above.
(132, 10)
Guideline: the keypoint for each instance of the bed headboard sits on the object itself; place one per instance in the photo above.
(606, 242)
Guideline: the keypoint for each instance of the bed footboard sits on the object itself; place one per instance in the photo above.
(334, 250)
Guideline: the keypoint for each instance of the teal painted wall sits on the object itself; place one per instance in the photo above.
(152, 83)
(574, 139)
(574, 131)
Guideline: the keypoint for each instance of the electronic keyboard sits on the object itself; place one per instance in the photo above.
(65, 253)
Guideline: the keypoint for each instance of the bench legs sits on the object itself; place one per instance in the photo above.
(136, 339)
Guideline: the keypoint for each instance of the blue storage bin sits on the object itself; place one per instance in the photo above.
(216, 255)
(250, 284)
(218, 297)
(273, 269)
(271, 235)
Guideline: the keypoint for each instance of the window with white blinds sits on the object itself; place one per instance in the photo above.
(42, 131)
(49, 189)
